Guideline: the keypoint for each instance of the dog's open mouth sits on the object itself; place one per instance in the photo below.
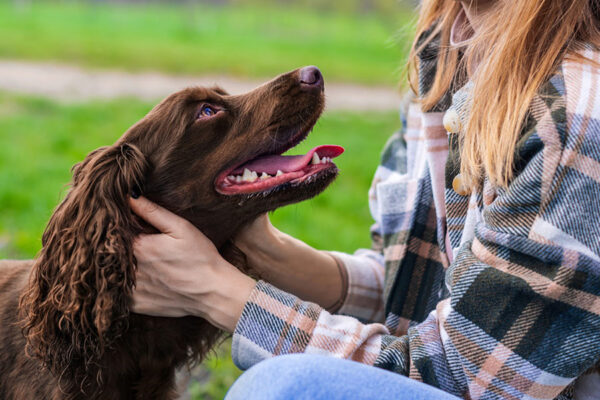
(266, 172)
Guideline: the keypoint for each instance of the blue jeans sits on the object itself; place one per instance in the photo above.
(301, 376)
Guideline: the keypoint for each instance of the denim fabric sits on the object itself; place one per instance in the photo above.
(302, 376)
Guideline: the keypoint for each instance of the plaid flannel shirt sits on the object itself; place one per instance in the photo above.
(491, 295)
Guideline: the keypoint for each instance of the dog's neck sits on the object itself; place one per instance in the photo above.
(219, 220)
(211, 224)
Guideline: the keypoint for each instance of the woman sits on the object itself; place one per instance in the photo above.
(484, 278)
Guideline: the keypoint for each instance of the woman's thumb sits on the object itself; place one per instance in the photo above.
(160, 218)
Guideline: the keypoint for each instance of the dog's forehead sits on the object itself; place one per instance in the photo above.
(219, 90)
(201, 93)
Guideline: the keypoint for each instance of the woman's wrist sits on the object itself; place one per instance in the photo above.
(269, 248)
(292, 265)
(344, 283)
(223, 305)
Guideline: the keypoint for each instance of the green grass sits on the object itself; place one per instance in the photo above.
(243, 40)
(42, 140)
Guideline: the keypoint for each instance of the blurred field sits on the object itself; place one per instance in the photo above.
(196, 38)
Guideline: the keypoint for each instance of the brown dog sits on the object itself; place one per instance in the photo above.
(65, 327)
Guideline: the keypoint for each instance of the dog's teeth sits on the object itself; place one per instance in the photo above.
(264, 176)
(279, 172)
(247, 175)
(315, 158)
(238, 179)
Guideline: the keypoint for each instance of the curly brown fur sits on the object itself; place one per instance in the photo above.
(77, 303)
(73, 336)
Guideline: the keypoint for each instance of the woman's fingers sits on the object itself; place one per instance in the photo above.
(161, 218)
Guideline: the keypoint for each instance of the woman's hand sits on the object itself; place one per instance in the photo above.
(291, 264)
(180, 272)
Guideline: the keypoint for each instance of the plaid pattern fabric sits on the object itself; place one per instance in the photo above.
(364, 299)
(516, 313)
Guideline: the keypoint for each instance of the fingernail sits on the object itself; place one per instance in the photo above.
(135, 194)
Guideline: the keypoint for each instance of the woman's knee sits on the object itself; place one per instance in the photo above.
(276, 378)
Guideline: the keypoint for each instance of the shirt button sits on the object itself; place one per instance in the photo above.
(452, 122)
(458, 186)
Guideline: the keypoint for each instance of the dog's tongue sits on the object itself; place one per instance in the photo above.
(272, 164)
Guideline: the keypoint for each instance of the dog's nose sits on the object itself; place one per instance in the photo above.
(310, 77)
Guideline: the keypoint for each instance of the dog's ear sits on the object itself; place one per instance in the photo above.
(77, 302)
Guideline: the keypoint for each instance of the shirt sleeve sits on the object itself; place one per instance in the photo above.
(364, 299)
(274, 322)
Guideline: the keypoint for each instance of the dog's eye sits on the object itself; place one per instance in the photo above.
(206, 111)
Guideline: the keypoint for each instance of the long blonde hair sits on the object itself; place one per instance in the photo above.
(519, 46)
